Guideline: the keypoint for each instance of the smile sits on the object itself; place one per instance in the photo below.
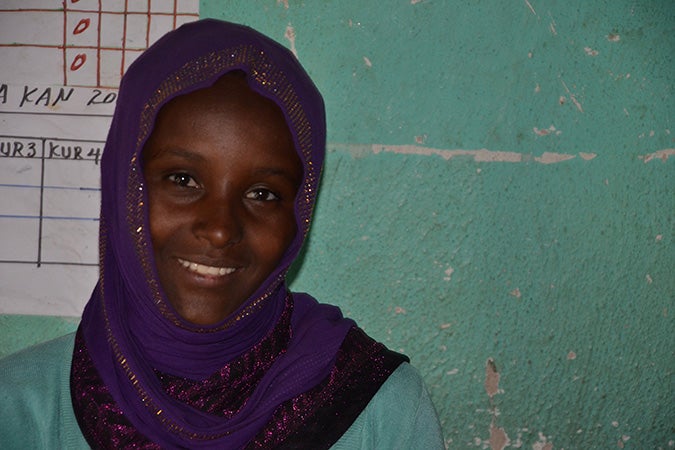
(206, 270)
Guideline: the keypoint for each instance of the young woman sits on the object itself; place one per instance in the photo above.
(191, 338)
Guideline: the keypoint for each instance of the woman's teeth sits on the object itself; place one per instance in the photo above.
(205, 270)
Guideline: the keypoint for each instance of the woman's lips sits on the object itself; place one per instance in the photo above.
(201, 269)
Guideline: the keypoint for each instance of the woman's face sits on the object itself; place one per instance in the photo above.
(222, 174)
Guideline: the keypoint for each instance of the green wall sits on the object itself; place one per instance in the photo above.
(497, 203)
(554, 261)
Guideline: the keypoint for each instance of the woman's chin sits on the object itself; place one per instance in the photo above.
(206, 315)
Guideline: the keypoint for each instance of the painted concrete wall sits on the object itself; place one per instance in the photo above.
(497, 203)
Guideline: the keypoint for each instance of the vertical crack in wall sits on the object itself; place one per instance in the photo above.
(491, 379)
(498, 437)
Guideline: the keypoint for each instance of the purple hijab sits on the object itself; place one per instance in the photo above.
(130, 330)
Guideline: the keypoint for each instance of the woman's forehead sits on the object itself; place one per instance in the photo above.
(230, 99)
(229, 113)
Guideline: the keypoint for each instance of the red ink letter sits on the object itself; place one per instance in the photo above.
(78, 61)
(82, 25)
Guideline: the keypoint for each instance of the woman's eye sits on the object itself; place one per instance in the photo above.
(263, 195)
(183, 180)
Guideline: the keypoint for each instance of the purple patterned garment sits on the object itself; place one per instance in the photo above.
(274, 373)
(313, 420)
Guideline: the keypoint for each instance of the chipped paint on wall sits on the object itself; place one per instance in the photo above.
(498, 439)
(529, 5)
(479, 155)
(663, 155)
(491, 378)
(572, 96)
(289, 34)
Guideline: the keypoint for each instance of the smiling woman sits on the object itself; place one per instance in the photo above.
(222, 175)
(191, 338)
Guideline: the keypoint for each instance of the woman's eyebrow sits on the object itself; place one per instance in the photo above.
(180, 153)
(277, 172)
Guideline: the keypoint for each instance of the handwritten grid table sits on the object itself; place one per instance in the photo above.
(57, 94)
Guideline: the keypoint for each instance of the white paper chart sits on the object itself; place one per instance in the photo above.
(62, 63)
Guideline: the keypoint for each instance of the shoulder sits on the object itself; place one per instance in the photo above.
(36, 367)
(404, 385)
(35, 406)
(399, 416)
(54, 347)
(44, 361)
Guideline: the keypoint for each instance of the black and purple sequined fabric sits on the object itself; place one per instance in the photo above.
(318, 418)
(101, 420)
(315, 419)
(225, 392)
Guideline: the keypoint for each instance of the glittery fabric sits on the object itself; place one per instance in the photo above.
(101, 420)
(314, 420)
(225, 392)
(318, 418)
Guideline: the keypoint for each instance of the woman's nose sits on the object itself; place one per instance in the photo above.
(219, 222)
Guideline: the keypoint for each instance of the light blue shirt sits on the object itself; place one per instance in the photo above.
(36, 411)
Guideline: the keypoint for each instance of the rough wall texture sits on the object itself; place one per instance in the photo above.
(497, 203)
